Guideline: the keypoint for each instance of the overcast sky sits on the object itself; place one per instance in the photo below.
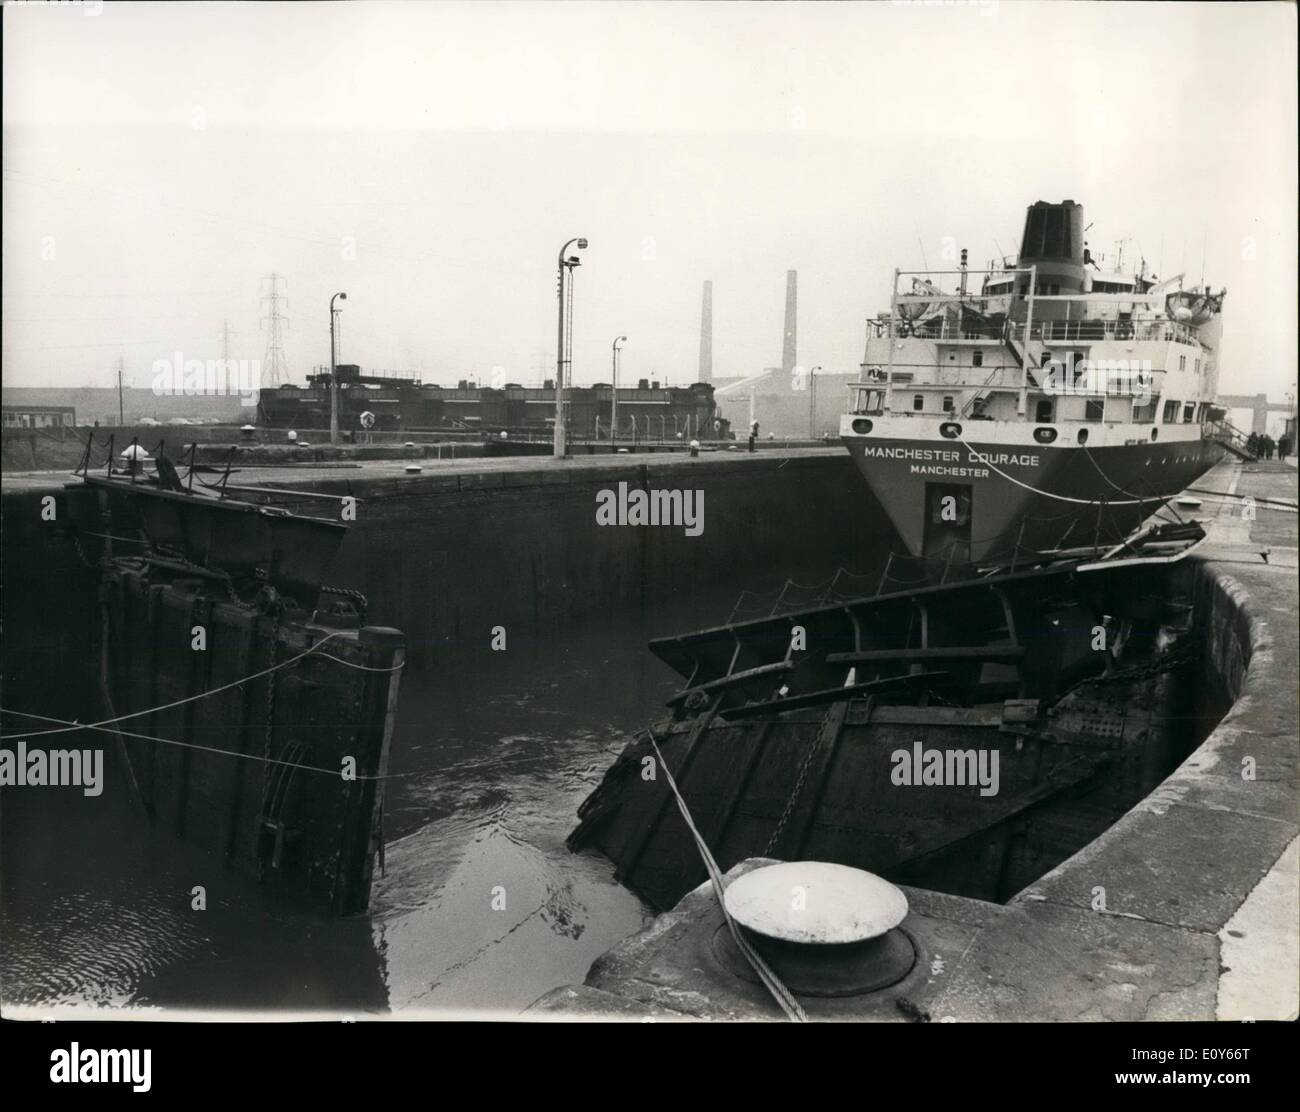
(431, 158)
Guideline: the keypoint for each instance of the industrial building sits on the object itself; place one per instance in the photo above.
(38, 416)
(649, 411)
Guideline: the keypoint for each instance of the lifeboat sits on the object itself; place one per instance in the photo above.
(1192, 306)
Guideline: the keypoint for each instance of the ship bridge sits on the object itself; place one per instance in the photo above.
(1053, 336)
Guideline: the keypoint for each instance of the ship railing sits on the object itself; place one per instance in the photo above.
(1226, 433)
(867, 395)
(1076, 331)
(903, 571)
(945, 329)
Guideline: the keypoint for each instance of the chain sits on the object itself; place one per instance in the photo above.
(270, 733)
(270, 689)
(1183, 653)
(794, 797)
(1164, 663)
(81, 552)
(180, 558)
(355, 596)
(234, 597)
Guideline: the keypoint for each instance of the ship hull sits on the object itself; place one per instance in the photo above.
(1014, 502)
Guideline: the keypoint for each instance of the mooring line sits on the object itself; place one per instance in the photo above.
(784, 998)
(448, 769)
(109, 729)
(979, 457)
(1232, 496)
(1103, 474)
(360, 667)
(202, 694)
(112, 537)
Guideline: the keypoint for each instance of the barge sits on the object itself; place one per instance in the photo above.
(965, 736)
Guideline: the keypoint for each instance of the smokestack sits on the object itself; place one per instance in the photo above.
(706, 335)
(788, 350)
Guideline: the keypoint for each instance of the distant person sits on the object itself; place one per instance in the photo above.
(1252, 444)
(753, 434)
(1268, 446)
(1284, 446)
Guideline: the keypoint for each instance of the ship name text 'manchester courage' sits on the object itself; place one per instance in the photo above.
(952, 462)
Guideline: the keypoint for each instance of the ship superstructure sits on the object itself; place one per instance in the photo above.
(1046, 403)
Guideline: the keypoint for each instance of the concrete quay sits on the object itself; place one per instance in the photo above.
(1184, 909)
(461, 547)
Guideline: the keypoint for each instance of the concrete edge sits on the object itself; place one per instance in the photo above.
(478, 473)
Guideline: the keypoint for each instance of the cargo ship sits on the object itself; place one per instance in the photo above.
(1050, 402)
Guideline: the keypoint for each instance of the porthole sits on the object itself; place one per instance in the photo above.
(862, 425)
(1045, 434)
(950, 429)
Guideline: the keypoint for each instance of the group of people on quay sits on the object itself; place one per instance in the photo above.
(1263, 446)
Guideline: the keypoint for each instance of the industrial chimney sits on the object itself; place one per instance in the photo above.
(706, 334)
(788, 350)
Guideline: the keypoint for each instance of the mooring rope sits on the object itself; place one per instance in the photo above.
(362, 667)
(494, 762)
(1103, 474)
(181, 745)
(1269, 503)
(979, 457)
(203, 694)
(784, 998)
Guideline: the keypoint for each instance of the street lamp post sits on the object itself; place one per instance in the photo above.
(812, 403)
(613, 396)
(334, 373)
(560, 446)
